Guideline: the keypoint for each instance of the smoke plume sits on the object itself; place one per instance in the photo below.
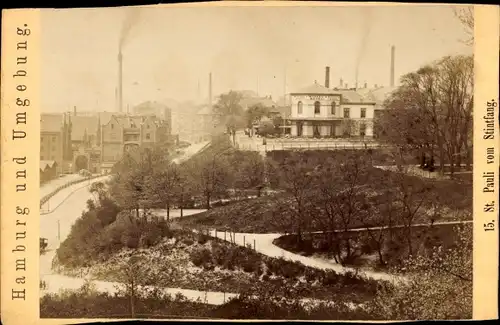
(131, 18)
(366, 23)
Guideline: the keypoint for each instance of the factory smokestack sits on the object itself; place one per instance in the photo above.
(327, 77)
(120, 81)
(210, 90)
(393, 50)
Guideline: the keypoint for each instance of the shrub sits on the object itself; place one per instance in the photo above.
(202, 239)
(201, 257)
(250, 267)
(188, 241)
(330, 278)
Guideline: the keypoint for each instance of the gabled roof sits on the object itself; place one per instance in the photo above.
(44, 164)
(284, 111)
(105, 117)
(379, 95)
(352, 96)
(51, 122)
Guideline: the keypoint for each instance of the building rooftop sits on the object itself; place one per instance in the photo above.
(352, 96)
(44, 164)
(51, 122)
(379, 95)
(314, 89)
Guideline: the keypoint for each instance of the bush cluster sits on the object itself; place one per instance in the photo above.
(104, 229)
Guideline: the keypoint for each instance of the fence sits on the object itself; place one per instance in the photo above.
(310, 145)
(230, 236)
(47, 197)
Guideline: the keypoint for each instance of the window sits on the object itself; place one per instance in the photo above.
(363, 112)
(299, 108)
(346, 112)
(147, 126)
(41, 157)
(332, 108)
(362, 129)
(317, 107)
(112, 126)
(148, 136)
(53, 148)
(53, 139)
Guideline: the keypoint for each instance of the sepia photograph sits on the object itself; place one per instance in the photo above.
(257, 162)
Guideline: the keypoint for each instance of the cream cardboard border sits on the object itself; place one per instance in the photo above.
(27, 311)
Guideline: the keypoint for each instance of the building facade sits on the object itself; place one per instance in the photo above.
(55, 130)
(123, 134)
(321, 112)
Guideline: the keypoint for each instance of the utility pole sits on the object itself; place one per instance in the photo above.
(284, 103)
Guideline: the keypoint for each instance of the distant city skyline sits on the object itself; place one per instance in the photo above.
(169, 52)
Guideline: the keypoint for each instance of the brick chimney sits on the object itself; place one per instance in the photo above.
(327, 77)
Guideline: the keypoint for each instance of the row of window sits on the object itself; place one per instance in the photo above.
(132, 125)
(53, 148)
(316, 130)
(53, 139)
(317, 109)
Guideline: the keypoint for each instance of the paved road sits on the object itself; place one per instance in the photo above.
(190, 151)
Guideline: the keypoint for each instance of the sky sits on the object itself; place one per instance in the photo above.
(168, 52)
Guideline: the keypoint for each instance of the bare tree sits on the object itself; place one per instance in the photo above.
(132, 274)
(432, 111)
(163, 186)
(410, 198)
(466, 17)
(210, 177)
(296, 174)
(229, 110)
(344, 202)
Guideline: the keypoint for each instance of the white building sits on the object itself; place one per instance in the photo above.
(318, 111)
